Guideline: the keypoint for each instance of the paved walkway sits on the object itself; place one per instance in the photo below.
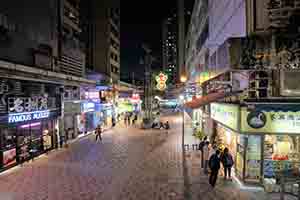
(129, 164)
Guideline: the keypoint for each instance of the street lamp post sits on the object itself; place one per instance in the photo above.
(187, 189)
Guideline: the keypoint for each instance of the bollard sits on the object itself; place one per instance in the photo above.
(195, 147)
(282, 187)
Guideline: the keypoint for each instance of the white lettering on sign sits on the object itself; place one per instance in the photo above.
(27, 104)
(28, 116)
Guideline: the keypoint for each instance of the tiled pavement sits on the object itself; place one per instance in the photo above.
(130, 164)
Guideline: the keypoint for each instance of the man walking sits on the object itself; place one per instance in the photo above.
(214, 165)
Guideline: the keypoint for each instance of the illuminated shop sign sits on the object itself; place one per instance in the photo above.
(27, 116)
(88, 107)
(270, 122)
(226, 114)
(27, 104)
(92, 95)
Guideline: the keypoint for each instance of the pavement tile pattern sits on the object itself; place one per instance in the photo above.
(129, 164)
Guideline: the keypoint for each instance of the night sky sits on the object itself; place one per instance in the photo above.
(141, 23)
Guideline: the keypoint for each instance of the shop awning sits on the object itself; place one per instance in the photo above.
(204, 100)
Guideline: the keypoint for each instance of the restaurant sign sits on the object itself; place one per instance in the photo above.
(24, 109)
(270, 122)
(226, 114)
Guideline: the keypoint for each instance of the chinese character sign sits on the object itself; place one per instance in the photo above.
(161, 80)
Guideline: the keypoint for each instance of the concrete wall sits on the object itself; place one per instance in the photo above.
(35, 22)
(227, 18)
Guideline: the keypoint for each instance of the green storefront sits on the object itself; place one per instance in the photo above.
(266, 139)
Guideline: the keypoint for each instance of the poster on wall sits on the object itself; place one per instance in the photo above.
(253, 157)
(24, 153)
(9, 157)
(47, 142)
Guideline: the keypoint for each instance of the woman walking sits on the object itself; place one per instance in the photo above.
(227, 162)
(206, 150)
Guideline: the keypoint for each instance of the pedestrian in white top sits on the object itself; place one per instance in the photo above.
(206, 151)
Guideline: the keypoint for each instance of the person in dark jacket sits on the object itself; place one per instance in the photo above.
(98, 132)
(227, 161)
(201, 145)
(214, 165)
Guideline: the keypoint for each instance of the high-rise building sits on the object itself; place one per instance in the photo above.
(170, 43)
(169, 47)
(102, 35)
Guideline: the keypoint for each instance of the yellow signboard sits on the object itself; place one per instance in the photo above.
(226, 114)
(270, 122)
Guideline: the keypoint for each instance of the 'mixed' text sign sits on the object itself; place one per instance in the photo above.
(27, 116)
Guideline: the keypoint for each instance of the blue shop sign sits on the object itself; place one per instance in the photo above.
(88, 107)
(27, 116)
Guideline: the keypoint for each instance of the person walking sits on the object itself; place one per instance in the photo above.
(206, 156)
(214, 165)
(61, 140)
(99, 133)
(201, 145)
(125, 119)
(167, 126)
(227, 161)
(128, 119)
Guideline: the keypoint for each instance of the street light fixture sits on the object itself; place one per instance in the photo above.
(183, 79)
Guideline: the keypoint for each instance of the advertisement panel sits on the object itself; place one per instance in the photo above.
(9, 157)
(226, 114)
(270, 122)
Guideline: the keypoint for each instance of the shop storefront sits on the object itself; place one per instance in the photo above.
(28, 121)
(272, 135)
(72, 111)
(107, 114)
(86, 121)
(226, 128)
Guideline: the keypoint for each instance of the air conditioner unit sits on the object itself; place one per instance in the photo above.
(289, 83)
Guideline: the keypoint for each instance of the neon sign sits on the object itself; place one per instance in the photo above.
(28, 116)
(161, 80)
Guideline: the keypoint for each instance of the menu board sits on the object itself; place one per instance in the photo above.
(253, 155)
(9, 157)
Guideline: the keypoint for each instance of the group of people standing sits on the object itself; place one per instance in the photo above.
(130, 118)
(212, 158)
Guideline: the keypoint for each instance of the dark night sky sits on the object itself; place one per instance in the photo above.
(141, 23)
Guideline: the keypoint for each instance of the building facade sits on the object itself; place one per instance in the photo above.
(102, 36)
(41, 65)
(248, 85)
(170, 47)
